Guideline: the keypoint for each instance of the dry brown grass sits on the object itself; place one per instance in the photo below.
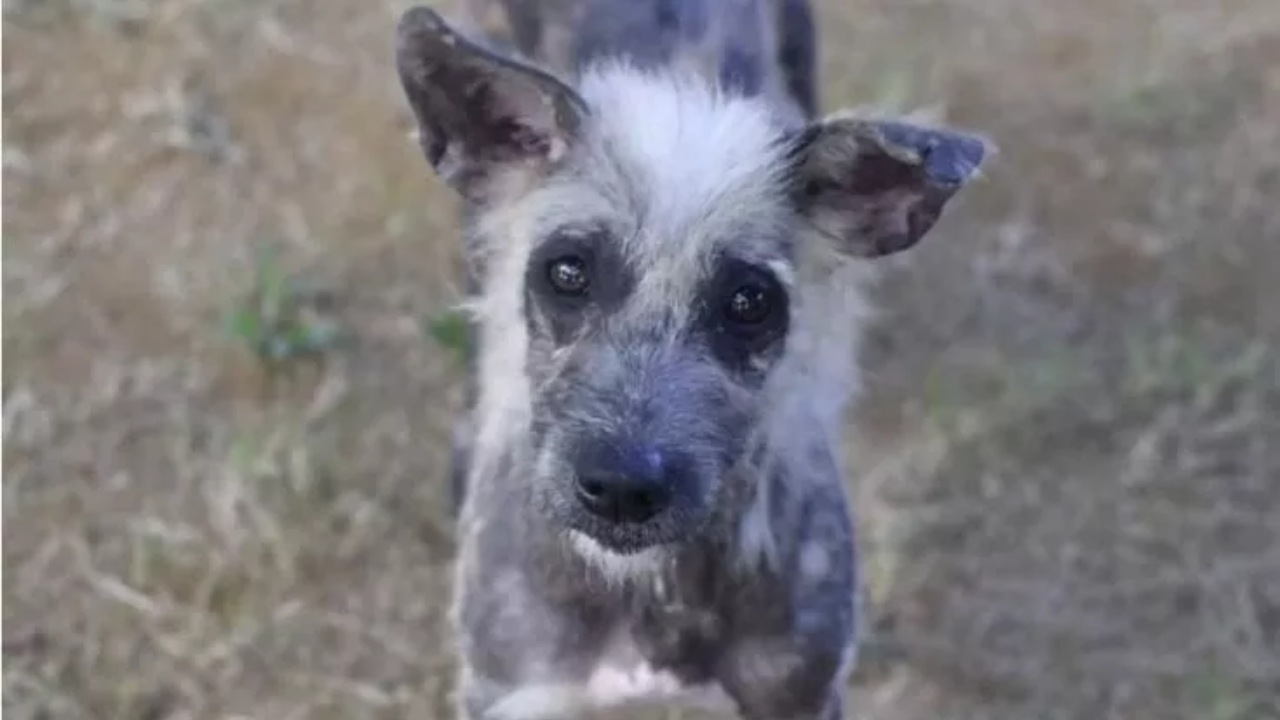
(1068, 475)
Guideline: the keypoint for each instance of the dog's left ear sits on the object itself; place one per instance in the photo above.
(877, 186)
(480, 114)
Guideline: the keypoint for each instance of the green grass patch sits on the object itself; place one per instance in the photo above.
(450, 330)
(277, 321)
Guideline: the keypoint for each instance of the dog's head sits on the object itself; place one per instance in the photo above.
(659, 254)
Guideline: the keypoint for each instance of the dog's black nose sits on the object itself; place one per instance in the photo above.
(628, 487)
(621, 498)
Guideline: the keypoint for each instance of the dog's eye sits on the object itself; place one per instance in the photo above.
(568, 275)
(749, 304)
(746, 314)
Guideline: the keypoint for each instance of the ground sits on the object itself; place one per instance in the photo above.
(224, 470)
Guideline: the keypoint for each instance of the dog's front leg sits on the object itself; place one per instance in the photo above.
(780, 679)
(794, 665)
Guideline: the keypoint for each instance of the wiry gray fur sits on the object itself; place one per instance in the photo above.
(669, 148)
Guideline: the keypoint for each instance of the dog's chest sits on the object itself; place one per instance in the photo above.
(626, 680)
(622, 678)
(662, 651)
(654, 653)
(662, 655)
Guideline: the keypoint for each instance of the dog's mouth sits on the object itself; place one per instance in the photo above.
(618, 565)
(624, 538)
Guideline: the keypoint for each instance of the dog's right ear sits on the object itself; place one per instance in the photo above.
(479, 114)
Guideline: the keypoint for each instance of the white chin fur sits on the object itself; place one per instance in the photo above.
(614, 566)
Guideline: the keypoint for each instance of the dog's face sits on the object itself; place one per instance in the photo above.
(650, 342)
(638, 413)
(653, 236)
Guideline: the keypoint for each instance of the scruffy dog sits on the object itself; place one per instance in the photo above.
(667, 253)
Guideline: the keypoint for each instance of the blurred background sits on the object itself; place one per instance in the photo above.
(229, 370)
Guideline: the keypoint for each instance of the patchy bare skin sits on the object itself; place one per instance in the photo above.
(668, 254)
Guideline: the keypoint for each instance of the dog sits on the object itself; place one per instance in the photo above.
(667, 252)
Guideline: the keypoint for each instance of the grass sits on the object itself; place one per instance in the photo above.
(1064, 465)
(274, 321)
(449, 330)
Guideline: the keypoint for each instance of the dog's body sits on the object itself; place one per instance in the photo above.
(665, 251)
